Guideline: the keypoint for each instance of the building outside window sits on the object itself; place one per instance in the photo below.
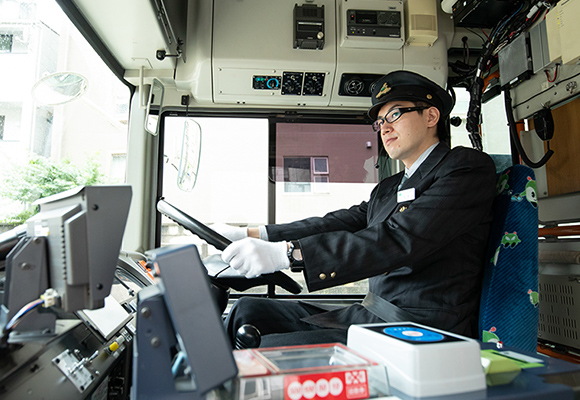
(306, 174)
(2, 119)
(6, 42)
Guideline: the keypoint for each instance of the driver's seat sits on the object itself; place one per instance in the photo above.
(509, 300)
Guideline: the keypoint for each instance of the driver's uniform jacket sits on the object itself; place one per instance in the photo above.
(424, 255)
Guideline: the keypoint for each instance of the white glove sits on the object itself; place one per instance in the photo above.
(230, 232)
(254, 257)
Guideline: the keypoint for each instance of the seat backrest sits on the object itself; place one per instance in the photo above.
(509, 299)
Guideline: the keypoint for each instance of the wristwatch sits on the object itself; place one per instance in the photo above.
(295, 257)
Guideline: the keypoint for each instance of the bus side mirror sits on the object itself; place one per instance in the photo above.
(154, 104)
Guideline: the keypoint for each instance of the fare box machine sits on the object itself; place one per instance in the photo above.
(421, 361)
(427, 363)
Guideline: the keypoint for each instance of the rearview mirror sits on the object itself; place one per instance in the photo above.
(154, 105)
(59, 88)
(190, 155)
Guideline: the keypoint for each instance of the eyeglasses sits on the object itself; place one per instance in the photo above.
(394, 115)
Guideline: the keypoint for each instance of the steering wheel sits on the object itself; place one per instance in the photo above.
(219, 242)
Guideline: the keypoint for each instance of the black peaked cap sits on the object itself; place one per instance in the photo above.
(409, 86)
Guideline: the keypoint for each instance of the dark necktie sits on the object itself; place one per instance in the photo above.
(405, 177)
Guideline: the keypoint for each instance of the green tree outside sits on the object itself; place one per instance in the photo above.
(41, 177)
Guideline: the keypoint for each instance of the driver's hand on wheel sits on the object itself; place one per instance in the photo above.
(230, 232)
(254, 257)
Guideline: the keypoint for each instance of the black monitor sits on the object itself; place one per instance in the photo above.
(179, 312)
(84, 230)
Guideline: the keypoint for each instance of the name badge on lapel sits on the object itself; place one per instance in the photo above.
(405, 195)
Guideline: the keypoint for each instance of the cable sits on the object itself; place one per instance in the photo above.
(464, 39)
(219, 272)
(555, 74)
(477, 34)
(506, 29)
(20, 314)
(486, 35)
(516, 138)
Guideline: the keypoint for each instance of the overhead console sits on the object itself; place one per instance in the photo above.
(326, 53)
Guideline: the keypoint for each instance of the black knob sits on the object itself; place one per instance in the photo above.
(247, 337)
(455, 121)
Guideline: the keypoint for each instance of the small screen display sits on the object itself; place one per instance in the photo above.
(367, 18)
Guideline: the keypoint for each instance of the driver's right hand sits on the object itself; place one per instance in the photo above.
(230, 232)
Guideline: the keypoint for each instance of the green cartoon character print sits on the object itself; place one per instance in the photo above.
(529, 193)
(534, 297)
(502, 183)
(510, 240)
(490, 336)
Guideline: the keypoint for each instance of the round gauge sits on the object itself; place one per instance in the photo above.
(354, 86)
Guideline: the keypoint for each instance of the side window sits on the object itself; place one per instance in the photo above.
(306, 174)
(495, 131)
(47, 144)
(322, 168)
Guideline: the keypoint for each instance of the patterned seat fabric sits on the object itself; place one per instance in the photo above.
(509, 300)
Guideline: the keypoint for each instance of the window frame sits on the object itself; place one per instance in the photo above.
(316, 117)
(313, 169)
(273, 120)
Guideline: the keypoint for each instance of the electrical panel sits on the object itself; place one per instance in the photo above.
(374, 23)
(569, 31)
(292, 83)
(515, 62)
(287, 54)
(369, 24)
(308, 27)
(562, 32)
(262, 82)
(539, 46)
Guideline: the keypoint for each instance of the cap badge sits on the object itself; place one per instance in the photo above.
(429, 97)
(384, 90)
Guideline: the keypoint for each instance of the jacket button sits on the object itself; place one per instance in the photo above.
(333, 274)
(322, 276)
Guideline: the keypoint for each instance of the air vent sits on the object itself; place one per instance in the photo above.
(559, 314)
(423, 23)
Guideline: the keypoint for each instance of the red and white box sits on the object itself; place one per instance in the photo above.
(313, 372)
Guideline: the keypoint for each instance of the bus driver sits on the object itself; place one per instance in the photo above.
(420, 239)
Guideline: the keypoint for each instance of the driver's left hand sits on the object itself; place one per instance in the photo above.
(254, 257)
